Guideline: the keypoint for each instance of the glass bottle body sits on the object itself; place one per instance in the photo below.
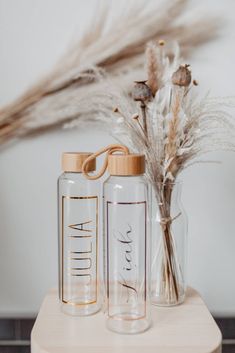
(78, 244)
(126, 253)
(169, 246)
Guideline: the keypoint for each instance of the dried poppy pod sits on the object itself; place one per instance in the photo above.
(182, 76)
(141, 92)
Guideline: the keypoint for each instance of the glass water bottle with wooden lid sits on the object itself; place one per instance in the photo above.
(78, 200)
(127, 244)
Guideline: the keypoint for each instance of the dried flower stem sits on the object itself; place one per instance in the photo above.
(170, 276)
(144, 117)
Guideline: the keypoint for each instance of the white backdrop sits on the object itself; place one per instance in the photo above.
(33, 34)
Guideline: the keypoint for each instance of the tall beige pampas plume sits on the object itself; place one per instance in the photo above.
(154, 67)
(171, 146)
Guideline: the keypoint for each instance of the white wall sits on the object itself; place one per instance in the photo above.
(33, 34)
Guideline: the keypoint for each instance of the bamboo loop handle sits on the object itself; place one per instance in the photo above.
(110, 149)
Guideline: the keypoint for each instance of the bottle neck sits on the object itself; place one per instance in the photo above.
(68, 172)
(126, 176)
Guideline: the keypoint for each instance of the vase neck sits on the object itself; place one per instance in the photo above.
(169, 197)
(176, 193)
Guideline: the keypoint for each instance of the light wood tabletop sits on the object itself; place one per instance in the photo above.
(187, 328)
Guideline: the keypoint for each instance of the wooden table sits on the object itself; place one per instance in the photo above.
(188, 328)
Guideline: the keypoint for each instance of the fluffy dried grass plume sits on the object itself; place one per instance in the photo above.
(173, 129)
(154, 66)
(180, 125)
(108, 47)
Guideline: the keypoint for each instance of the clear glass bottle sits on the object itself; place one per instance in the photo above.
(126, 244)
(169, 246)
(78, 237)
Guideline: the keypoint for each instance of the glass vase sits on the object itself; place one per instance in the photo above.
(169, 247)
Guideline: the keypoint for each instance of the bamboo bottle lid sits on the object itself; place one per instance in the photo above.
(126, 164)
(72, 162)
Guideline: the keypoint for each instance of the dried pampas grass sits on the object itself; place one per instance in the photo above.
(108, 47)
(165, 120)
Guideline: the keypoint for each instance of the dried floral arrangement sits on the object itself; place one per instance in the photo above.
(106, 48)
(166, 120)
